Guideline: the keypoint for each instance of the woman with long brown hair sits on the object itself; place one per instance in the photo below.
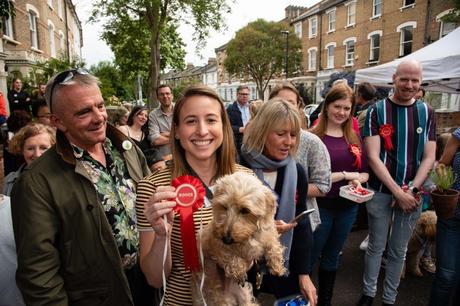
(202, 147)
(348, 166)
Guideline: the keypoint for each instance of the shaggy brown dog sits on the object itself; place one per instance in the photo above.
(425, 230)
(242, 231)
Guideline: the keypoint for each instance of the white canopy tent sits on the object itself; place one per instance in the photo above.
(440, 61)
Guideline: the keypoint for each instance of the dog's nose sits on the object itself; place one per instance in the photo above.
(227, 239)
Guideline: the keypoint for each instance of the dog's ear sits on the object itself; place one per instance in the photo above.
(270, 204)
(423, 229)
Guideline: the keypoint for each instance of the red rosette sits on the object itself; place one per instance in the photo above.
(386, 131)
(356, 151)
(190, 197)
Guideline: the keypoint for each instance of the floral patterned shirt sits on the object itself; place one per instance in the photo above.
(117, 194)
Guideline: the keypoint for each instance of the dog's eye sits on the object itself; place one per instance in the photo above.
(244, 211)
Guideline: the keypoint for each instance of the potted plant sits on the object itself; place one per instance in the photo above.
(444, 198)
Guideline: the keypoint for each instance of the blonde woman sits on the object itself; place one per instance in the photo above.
(30, 142)
(311, 154)
(269, 145)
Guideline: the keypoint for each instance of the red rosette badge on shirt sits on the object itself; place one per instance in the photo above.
(386, 131)
(190, 197)
(356, 151)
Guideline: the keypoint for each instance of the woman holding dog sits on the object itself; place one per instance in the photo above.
(348, 166)
(269, 144)
(202, 147)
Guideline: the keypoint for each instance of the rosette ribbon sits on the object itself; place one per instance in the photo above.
(386, 131)
(356, 151)
(190, 197)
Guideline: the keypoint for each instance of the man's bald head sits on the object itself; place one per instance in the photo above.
(407, 80)
(409, 64)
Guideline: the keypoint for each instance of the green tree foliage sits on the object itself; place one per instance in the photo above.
(258, 50)
(113, 84)
(453, 16)
(151, 25)
(129, 40)
(46, 69)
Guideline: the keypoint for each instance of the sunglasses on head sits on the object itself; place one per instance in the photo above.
(62, 78)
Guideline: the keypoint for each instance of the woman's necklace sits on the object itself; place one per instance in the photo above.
(136, 134)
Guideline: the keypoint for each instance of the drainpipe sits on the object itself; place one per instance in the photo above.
(320, 32)
(426, 34)
(66, 31)
(320, 67)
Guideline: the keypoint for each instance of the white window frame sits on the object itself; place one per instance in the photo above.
(9, 30)
(51, 28)
(331, 19)
(442, 23)
(376, 4)
(405, 4)
(311, 33)
(298, 29)
(351, 13)
(349, 56)
(409, 24)
(371, 45)
(50, 3)
(312, 59)
(59, 9)
(33, 25)
(61, 41)
(329, 57)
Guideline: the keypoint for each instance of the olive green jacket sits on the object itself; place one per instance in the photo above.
(67, 254)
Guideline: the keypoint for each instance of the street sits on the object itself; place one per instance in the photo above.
(413, 291)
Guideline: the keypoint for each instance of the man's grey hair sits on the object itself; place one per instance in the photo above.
(241, 87)
(84, 80)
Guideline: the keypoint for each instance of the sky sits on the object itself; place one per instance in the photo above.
(242, 12)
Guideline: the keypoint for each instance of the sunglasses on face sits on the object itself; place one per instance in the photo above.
(63, 78)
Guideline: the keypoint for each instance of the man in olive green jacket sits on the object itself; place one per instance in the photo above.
(72, 208)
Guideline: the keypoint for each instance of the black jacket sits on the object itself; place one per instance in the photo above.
(302, 242)
(234, 115)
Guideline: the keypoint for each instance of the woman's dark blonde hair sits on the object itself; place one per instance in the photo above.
(16, 145)
(271, 115)
(254, 107)
(300, 104)
(119, 113)
(441, 142)
(225, 154)
(339, 91)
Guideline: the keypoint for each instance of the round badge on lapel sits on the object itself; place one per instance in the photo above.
(127, 145)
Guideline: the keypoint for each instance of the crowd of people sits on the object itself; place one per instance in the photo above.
(92, 218)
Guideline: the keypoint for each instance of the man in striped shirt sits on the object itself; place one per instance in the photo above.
(400, 141)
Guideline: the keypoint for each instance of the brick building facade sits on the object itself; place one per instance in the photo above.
(342, 35)
(40, 29)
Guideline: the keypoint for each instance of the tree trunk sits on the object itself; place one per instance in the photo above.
(154, 78)
(261, 93)
(260, 88)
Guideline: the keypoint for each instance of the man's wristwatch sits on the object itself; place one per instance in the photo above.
(414, 189)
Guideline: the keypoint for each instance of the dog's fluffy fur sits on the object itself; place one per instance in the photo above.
(425, 230)
(242, 231)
